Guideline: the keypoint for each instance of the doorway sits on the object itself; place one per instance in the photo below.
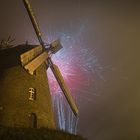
(32, 120)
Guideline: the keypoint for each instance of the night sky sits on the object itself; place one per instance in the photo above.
(100, 58)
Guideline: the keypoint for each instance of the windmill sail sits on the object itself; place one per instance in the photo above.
(30, 55)
(55, 46)
(33, 20)
(35, 63)
(64, 88)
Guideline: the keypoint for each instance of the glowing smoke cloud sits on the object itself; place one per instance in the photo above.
(78, 66)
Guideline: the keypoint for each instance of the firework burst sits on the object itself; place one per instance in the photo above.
(78, 65)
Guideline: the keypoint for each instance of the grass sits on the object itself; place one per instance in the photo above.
(7, 133)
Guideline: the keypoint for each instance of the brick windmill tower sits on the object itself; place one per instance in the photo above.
(25, 99)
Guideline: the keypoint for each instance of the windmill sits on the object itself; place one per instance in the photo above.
(43, 55)
(25, 99)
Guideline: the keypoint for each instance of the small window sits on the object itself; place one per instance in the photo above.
(32, 94)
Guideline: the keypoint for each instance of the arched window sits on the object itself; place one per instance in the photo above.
(32, 94)
(32, 120)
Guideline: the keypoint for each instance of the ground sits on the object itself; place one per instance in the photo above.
(35, 134)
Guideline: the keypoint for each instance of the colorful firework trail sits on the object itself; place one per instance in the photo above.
(78, 65)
